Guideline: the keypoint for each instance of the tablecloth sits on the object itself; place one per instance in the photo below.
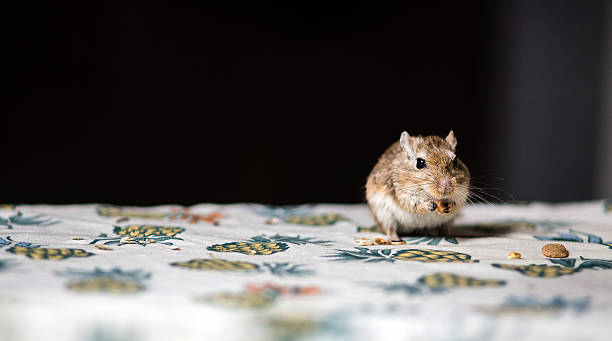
(257, 272)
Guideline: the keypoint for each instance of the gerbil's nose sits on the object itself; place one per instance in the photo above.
(445, 186)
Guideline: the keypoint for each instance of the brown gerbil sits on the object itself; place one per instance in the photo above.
(417, 183)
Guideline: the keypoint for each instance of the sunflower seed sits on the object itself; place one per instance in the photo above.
(514, 255)
(102, 247)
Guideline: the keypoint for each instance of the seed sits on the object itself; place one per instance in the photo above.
(127, 240)
(102, 247)
(514, 255)
(363, 242)
(77, 238)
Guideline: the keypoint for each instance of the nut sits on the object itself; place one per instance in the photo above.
(514, 255)
(555, 251)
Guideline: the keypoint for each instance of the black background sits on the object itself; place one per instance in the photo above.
(276, 102)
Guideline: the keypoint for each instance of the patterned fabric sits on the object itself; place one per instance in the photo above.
(255, 272)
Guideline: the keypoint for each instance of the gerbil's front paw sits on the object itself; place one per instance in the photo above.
(445, 206)
(431, 205)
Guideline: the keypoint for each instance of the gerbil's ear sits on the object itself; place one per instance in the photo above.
(451, 139)
(408, 145)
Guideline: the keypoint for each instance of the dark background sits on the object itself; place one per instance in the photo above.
(285, 103)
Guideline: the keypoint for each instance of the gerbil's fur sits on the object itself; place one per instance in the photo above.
(404, 198)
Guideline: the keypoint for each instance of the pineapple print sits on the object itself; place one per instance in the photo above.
(439, 282)
(141, 235)
(550, 271)
(315, 220)
(115, 281)
(250, 248)
(110, 285)
(259, 296)
(391, 255)
(265, 245)
(428, 255)
(239, 300)
(192, 218)
(535, 305)
(300, 215)
(176, 214)
(111, 211)
(217, 265)
(147, 230)
(538, 270)
(48, 253)
(445, 280)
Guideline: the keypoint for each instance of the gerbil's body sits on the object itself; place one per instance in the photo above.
(417, 183)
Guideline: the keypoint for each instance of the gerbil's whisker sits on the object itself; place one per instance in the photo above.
(483, 191)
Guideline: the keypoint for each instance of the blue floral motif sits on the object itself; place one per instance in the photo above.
(574, 236)
(20, 219)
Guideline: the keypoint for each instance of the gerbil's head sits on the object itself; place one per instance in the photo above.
(434, 168)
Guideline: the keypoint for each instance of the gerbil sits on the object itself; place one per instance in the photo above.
(417, 183)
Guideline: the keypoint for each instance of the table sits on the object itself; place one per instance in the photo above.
(256, 272)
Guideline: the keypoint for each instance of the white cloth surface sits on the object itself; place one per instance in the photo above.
(293, 280)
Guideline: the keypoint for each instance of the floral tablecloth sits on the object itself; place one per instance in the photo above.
(256, 272)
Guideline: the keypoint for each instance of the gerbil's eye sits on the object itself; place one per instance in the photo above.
(420, 163)
(455, 162)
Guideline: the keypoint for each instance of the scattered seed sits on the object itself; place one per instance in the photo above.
(122, 219)
(77, 238)
(102, 247)
(127, 240)
(514, 255)
(175, 248)
(364, 242)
